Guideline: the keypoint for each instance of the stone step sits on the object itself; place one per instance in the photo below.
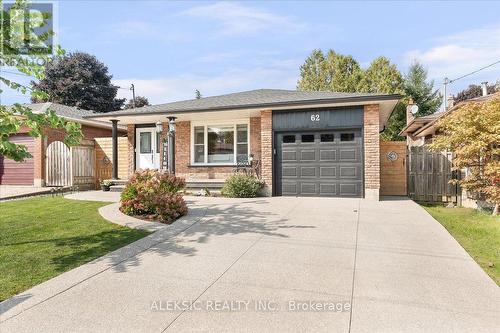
(116, 188)
(211, 184)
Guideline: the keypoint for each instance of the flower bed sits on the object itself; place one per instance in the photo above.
(153, 195)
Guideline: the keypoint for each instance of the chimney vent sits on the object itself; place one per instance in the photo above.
(484, 87)
(450, 102)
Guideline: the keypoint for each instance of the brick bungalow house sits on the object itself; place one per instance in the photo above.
(307, 143)
(32, 171)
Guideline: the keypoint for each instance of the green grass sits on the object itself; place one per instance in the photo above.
(44, 237)
(478, 233)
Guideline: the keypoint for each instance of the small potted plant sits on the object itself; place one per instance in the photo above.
(106, 184)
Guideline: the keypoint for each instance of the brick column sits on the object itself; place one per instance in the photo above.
(130, 149)
(182, 148)
(39, 162)
(372, 151)
(266, 140)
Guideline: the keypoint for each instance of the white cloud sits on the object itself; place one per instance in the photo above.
(458, 54)
(181, 87)
(236, 19)
(144, 30)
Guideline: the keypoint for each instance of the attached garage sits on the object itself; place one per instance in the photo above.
(15, 173)
(319, 152)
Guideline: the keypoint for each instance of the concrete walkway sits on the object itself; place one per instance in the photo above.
(8, 192)
(267, 265)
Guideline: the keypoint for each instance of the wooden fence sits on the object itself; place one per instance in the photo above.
(429, 175)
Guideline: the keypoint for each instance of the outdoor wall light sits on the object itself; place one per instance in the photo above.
(159, 127)
(171, 124)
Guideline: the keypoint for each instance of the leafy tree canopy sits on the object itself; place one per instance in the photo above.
(475, 90)
(342, 73)
(79, 79)
(13, 118)
(472, 132)
(381, 77)
(139, 102)
(421, 91)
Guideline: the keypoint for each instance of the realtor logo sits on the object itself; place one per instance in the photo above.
(27, 28)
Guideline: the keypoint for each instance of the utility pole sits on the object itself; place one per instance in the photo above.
(445, 83)
(132, 87)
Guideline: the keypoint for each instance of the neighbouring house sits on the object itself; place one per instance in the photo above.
(306, 143)
(430, 172)
(33, 170)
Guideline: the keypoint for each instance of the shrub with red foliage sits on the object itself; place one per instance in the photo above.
(154, 194)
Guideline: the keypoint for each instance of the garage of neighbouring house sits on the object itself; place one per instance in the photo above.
(15, 173)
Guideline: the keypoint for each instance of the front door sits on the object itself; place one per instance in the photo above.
(147, 148)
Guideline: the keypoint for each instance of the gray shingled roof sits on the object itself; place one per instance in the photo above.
(61, 110)
(70, 112)
(252, 98)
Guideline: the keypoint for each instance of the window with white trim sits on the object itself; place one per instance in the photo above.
(219, 144)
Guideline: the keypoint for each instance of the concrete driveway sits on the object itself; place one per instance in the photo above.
(271, 265)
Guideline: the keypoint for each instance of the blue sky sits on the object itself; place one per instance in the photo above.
(169, 49)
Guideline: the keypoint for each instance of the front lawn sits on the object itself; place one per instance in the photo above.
(44, 237)
(477, 232)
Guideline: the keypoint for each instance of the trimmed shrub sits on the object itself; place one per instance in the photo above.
(152, 194)
(241, 186)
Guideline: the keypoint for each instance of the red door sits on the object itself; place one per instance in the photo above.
(16, 173)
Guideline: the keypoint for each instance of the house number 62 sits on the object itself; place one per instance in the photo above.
(315, 117)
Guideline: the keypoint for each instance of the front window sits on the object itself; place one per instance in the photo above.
(220, 144)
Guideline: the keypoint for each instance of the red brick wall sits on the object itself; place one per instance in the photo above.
(266, 134)
(372, 150)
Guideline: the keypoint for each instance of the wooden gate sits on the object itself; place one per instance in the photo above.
(66, 166)
(83, 164)
(58, 164)
(393, 168)
(429, 175)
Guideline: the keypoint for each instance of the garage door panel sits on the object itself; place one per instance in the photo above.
(328, 189)
(328, 172)
(327, 155)
(307, 188)
(290, 172)
(327, 166)
(16, 173)
(308, 155)
(308, 172)
(289, 155)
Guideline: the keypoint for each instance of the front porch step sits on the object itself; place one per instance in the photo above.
(118, 181)
(116, 188)
(199, 184)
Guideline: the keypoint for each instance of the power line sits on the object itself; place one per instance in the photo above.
(474, 72)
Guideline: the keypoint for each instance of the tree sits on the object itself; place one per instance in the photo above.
(80, 80)
(422, 92)
(139, 102)
(335, 72)
(381, 77)
(417, 88)
(472, 132)
(197, 94)
(474, 91)
(13, 118)
(312, 73)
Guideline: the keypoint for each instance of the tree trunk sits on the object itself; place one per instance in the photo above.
(495, 210)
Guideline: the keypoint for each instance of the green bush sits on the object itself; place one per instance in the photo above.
(153, 195)
(241, 186)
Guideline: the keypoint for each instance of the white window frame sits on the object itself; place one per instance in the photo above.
(208, 123)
